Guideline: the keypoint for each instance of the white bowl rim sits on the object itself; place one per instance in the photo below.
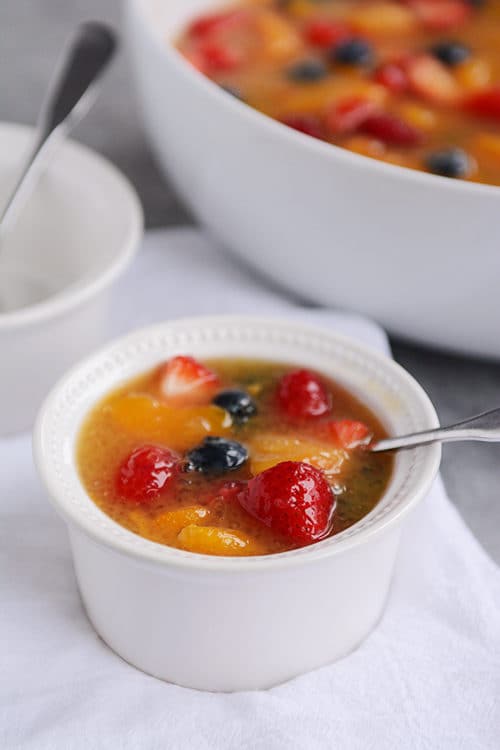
(302, 140)
(77, 293)
(68, 496)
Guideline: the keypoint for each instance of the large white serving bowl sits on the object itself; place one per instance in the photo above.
(418, 252)
(225, 623)
(77, 232)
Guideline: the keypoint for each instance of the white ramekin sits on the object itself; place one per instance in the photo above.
(233, 623)
(416, 251)
(78, 231)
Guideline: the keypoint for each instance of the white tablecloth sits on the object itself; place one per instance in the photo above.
(428, 677)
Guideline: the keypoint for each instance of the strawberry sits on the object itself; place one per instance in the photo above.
(293, 499)
(485, 103)
(391, 130)
(393, 76)
(185, 382)
(212, 22)
(347, 115)
(325, 33)
(301, 395)
(442, 15)
(349, 433)
(146, 473)
(307, 124)
(431, 80)
(219, 57)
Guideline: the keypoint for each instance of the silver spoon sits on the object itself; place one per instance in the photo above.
(70, 96)
(485, 427)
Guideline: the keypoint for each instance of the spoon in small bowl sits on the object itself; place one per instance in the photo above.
(69, 98)
(483, 427)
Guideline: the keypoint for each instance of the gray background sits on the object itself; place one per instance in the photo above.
(31, 35)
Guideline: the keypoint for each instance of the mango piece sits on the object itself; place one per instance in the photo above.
(212, 540)
(269, 449)
(473, 74)
(383, 18)
(301, 8)
(487, 145)
(179, 428)
(418, 116)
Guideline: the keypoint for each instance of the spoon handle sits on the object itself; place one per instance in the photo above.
(69, 98)
(485, 427)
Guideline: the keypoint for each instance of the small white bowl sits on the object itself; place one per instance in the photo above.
(76, 234)
(415, 251)
(221, 623)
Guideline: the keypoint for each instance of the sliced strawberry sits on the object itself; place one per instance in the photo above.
(485, 103)
(431, 80)
(293, 499)
(227, 492)
(442, 15)
(308, 124)
(185, 382)
(347, 115)
(231, 490)
(219, 56)
(195, 57)
(146, 473)
(393, 76)
(391, 130)
(302, 395)
(325, 33)
(349, 433)
(206, 24)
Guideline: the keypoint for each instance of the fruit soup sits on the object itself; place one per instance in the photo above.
(232, 457)
(411, 82)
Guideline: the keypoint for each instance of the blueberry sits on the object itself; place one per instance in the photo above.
(234, 91)
(451, 53)
(449, 162)
(239, 404)
(216, 455)
(353, 52)
(306, 71)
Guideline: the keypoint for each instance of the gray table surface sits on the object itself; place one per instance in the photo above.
(31, 35)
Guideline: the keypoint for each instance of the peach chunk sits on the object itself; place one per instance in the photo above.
(178, 427)
(325, 94)
(212, 540)
(432, 80)
(361, 144)
(383, 18)
(279, 40)
(269, 449)
(165, 526)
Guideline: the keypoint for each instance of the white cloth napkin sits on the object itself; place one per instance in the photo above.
(428, 677)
